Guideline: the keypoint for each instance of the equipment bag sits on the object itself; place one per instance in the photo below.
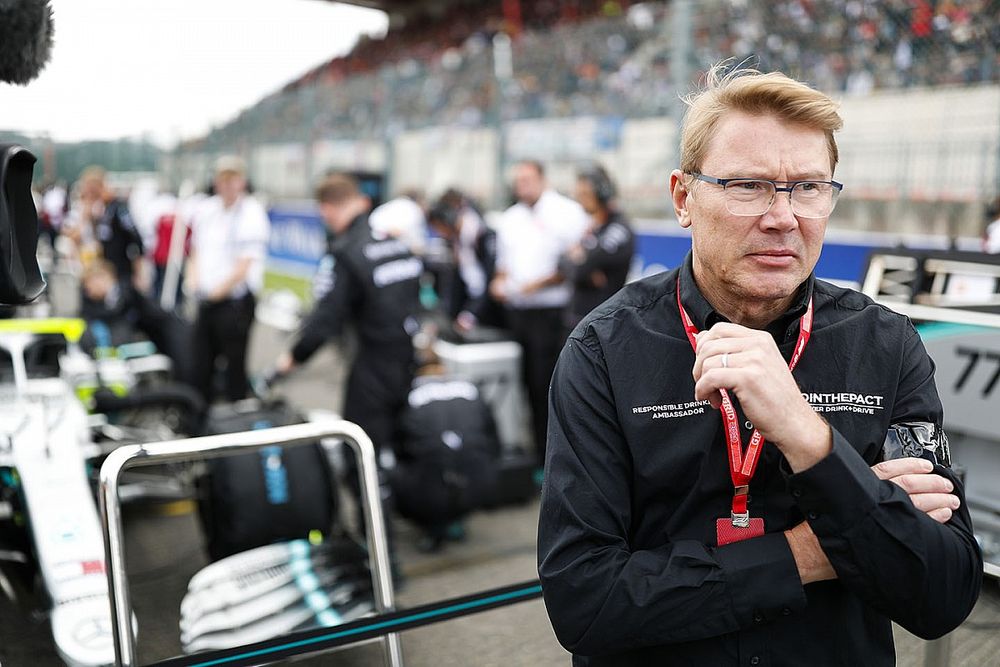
(276, 493)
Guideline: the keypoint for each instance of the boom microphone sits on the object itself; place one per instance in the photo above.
(25, 39)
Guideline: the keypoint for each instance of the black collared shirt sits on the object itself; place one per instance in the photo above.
(637, 474)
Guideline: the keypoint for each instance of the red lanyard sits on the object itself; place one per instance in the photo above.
(741, 468)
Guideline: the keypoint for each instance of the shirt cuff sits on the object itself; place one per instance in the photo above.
(762, 579)
(836, 493)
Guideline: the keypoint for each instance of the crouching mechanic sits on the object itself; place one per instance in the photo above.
(375, 285)
(720, 487)
(448, 454)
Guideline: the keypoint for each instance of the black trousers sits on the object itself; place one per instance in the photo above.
(377, 390)
(541, 333)
(221, 332)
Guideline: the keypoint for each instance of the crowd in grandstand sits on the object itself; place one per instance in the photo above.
(592, 57)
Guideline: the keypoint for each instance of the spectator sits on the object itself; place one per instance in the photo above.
(610, 58)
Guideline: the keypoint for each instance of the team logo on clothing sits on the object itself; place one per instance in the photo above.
(845, 401)
(397, 270)
(384, 249)
(671, 410)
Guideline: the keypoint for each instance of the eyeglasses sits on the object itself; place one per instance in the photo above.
(754, 196)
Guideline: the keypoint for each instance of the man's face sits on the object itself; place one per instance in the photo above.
(229, 186)
(762, 257)
(584, 194)
(528, 184)
(335, 216)
(98, 284)
(92, 188)
(447, 232)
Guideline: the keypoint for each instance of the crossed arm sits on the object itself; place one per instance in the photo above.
(593, 578)
(757, 373)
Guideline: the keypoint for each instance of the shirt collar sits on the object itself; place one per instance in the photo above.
(546, 194)
(339, 240)
(705, 316)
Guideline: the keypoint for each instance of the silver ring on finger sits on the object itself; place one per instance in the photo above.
(725, 360)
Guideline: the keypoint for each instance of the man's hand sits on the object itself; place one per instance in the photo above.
(498, 289)
(217, 295)
(140, 277)
(768, 394)
(930, 493)
(533, 286)
(576, 254)
(284, 364)
(598, 279)
(465, 322)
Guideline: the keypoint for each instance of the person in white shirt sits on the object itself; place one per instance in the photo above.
(531, 237)
(226, 270)
(403, 218)
(991, 237)
(53, 210)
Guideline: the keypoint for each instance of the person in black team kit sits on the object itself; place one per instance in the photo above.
(448, 454)
(474, 249)
(375, 284)
(797, 530)
(120, 311)
(598, 266)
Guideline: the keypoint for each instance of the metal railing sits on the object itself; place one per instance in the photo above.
(133, 456)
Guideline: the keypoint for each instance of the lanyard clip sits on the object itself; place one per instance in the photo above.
(741, 519)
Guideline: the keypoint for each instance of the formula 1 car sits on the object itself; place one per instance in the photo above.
(51, 549)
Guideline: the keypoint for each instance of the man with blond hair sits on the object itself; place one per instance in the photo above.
(746, 464)
(100, 226)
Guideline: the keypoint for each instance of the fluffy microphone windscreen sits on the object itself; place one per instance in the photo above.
(25, 39)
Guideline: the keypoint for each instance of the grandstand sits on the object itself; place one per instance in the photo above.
(594, 79)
